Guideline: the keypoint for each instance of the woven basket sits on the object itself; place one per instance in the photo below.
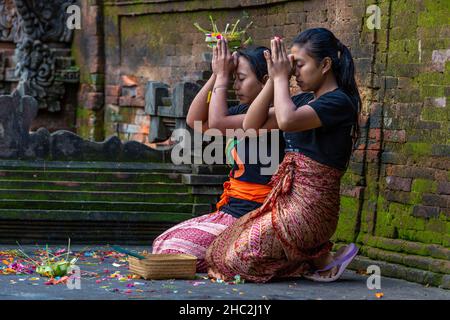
(164, 266)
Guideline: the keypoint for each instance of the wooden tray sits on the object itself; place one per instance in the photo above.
(164, 266)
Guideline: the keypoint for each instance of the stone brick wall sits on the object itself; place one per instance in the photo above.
(395, 195)
(395, 199)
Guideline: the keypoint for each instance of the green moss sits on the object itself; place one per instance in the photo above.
(436, 225)
(351, 179)
(432, 91)
(417, 149)
(403, 51)
(84, 127)
(400, 209)
(424, 186)
(435, 114)
(366, 239)
(345, 230)
(347, 219)
(446, 240)
(384, 218)
(428, 78)
(97, 79)
(385, 231)
(364, 227)
(429, 237)
(407, 234)
(435, 13)
(349, 204)
(415, 197)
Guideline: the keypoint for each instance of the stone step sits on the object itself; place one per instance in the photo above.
(96, 166)
(69, 195)
(208, 169)
(83, 176)
(207, 190)
(85, 232)
(203, 179)
(154, 187)
(79, 215)
(20, 204)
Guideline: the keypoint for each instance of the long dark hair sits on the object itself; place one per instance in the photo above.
(320, 43)
(255, 56)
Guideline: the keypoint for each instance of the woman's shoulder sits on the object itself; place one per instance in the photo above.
(302, 98)
(237, 109)
(339, 97)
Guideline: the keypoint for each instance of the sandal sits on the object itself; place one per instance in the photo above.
(342, 259)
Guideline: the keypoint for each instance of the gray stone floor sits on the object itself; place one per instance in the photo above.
(97, 284)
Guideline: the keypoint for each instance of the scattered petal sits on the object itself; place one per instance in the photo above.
(379, 295)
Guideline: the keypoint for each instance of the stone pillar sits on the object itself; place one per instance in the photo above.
(89, 53)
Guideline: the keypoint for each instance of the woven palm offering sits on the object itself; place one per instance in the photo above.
(234, 36)
(163, 266)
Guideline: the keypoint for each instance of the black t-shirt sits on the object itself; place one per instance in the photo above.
(247, 164)
(330, 144)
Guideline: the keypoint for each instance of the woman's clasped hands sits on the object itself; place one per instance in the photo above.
(279, 64)
(223, 61)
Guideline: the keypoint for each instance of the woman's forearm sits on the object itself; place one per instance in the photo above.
(198, 110)
(218, 106)
(284, 106)
(257, 113)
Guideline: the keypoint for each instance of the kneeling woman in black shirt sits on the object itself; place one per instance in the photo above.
(289, 235)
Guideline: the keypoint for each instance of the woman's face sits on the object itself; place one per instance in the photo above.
(308, 74)
(246, 84)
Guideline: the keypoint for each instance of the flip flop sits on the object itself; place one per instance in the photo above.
(342, 259)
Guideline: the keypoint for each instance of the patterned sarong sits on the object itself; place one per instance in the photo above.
(292, 227)
(195, 235)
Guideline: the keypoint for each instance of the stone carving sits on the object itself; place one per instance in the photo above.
(43, 22)
(16, 114)
(168, 110)
(9, 22)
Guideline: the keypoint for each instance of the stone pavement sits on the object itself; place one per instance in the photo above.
(98, 282)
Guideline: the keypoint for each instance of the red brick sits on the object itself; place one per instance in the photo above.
(361, 146)
(372, 155)
(125, 101)
(396, 183)
(397, 196)
(375, 134)
(111, 90)
(132, 102)
(442, 201)
(140, 92)
(96, 64)
(94, 100)
(443, 187)
(356, 192)
(425, 211)
(394, 135)
(112, 100)
(374, 146)
(358, 155)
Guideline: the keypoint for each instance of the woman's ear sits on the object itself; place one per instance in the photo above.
(326, 62)
(265, 78)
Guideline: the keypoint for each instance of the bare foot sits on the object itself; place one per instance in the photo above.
(324, 261)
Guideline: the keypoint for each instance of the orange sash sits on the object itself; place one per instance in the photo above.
(243, 190)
